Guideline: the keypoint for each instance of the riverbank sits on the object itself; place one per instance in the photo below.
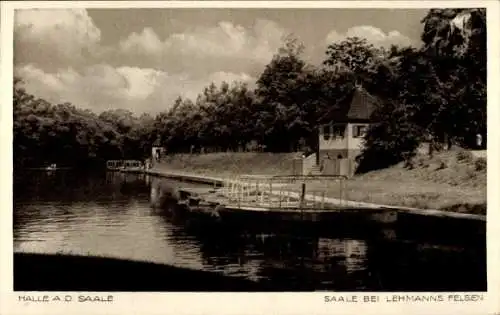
(452, 181)
(57, 272)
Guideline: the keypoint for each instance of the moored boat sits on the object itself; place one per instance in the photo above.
(124, 165)
(50, 168)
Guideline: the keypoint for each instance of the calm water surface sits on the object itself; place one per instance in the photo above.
(111, 215)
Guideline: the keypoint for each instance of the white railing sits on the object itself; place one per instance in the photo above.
(283, 191)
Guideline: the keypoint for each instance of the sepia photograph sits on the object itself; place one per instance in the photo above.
(250, 149)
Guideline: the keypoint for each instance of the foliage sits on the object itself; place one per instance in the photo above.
(480, 164)
(439, 90)
(63, 134)
(356, 56)
(435, 93)
(455, 45)
(392, 139)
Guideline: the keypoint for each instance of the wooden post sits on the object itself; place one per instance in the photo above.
(302, 196)
(302, 199)
(256, 190)
(279, 203)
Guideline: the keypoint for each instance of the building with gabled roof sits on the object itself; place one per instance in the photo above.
(341, 133)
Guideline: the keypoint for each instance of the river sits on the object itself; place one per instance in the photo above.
(111, 215)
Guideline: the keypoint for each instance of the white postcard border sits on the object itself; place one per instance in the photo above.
(248, 303)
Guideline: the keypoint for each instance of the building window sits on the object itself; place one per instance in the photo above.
(358, 131)
(338, 130)
(326, 132)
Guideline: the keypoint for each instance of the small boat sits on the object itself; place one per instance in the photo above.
(133, 166)
(124, 165)
(114, 165)
(51, 168)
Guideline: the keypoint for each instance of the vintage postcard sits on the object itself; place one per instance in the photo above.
(247, 157)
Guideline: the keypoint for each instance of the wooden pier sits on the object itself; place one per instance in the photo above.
(284, 196)
(270, 202)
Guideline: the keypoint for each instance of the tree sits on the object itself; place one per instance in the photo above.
(404, 117)
(392, 139)
(277, 105)
(455, 42)
(356, 56)
(455, 32)
(45, 133)
(436, 92)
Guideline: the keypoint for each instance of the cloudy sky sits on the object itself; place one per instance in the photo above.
(142, 59)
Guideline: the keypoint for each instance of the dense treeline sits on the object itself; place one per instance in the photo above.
(436, 93)
(46, 133)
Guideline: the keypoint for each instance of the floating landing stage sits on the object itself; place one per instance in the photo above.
(288, 197)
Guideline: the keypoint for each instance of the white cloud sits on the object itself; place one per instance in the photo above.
(146, 42)
(101, 87)
(225, 40)
(372, 34)
(55, 40)
(48, 36)
(59, 55)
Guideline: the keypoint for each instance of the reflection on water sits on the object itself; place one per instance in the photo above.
(118, 215)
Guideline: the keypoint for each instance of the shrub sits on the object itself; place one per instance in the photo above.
(464, 156)
(442, 165)
(480, 164)
(391, 141)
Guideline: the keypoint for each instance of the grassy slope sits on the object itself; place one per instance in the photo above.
(451, 180)
(228, 164)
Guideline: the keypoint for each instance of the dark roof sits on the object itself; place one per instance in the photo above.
(157, 142)
(360, 108)
(362, 105)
